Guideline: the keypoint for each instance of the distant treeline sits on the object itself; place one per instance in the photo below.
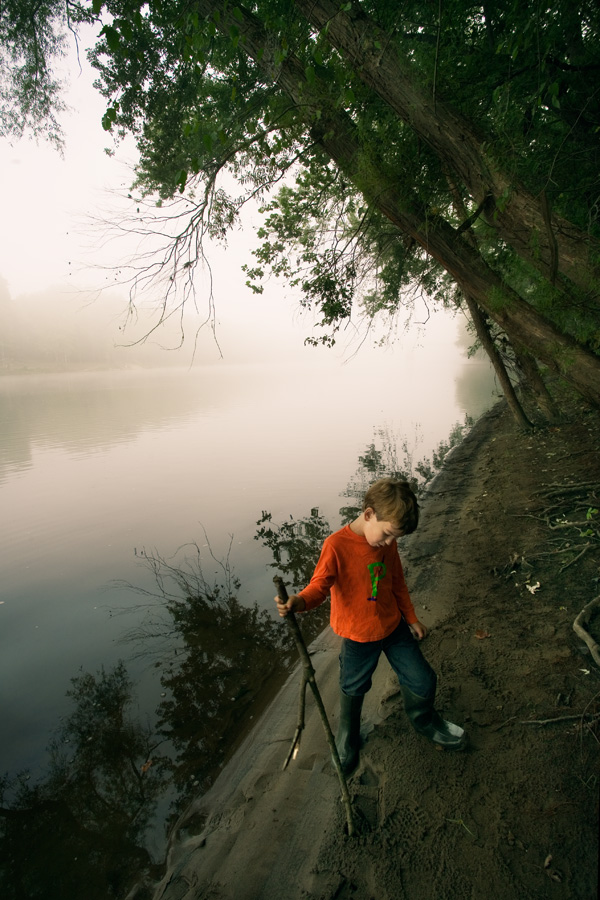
(56, 331)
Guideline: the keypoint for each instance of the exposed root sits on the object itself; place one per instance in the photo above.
(578, 627)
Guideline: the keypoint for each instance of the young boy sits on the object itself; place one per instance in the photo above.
(372, 611)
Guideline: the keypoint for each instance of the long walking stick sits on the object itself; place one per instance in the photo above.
(308, 677)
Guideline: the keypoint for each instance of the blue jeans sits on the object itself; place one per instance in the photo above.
(358, 661)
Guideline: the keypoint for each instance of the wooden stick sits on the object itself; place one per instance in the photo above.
(298, 734)
(309, 678)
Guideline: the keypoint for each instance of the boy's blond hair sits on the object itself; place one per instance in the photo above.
(393, 501)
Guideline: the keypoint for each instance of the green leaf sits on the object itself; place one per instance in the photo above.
(113, 38)
(126, 29)
(182, 180)
(109, 117)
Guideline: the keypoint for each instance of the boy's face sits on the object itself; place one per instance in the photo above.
(379, 534)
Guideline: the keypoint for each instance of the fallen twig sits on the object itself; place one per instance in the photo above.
(579, 716)
(568, 549)
(460, 822)
(502, 724)
(558, 525)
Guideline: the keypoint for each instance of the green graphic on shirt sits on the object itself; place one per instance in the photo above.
(377, 571)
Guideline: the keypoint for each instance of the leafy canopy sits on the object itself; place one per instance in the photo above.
(227, 101)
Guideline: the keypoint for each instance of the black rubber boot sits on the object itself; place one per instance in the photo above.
(348, 736)
(426, 721)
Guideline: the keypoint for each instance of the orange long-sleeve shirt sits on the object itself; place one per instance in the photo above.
(369, 596)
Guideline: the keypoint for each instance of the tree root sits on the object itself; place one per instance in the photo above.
(579, 717)
(578, 627)
(579, 555)
(551, 490)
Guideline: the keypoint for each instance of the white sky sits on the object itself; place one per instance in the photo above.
(44, 194)
(48, 243)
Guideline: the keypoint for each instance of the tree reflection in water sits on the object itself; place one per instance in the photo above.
(376, 463)
(81, 832)
(295, 545)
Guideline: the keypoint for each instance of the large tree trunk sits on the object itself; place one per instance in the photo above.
(549, 243)
(523, 324)
(336, 133)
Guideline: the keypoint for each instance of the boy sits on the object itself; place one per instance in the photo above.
(372, 611)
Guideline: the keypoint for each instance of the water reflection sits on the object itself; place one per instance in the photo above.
(224, 656)
(295, 545)
(383, 459)
(97, 410)
(79, 832)
(83, 831)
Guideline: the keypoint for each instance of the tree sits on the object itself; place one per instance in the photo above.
(460, 147)
(408, 107)
(32, 39)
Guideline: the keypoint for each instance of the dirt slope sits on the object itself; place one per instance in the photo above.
(499, 572)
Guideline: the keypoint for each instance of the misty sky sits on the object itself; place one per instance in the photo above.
(53, 256)
(51, 247)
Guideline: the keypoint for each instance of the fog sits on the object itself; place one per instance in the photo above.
(63, 303)
(51, 330)
(59, 329)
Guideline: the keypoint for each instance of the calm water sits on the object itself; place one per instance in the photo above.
(96, 468)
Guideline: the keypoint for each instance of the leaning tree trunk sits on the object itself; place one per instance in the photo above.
(521, 321)
(548, 243)
(337, 134)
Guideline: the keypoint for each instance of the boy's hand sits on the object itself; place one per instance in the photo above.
(419, 630)
(294, 604)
